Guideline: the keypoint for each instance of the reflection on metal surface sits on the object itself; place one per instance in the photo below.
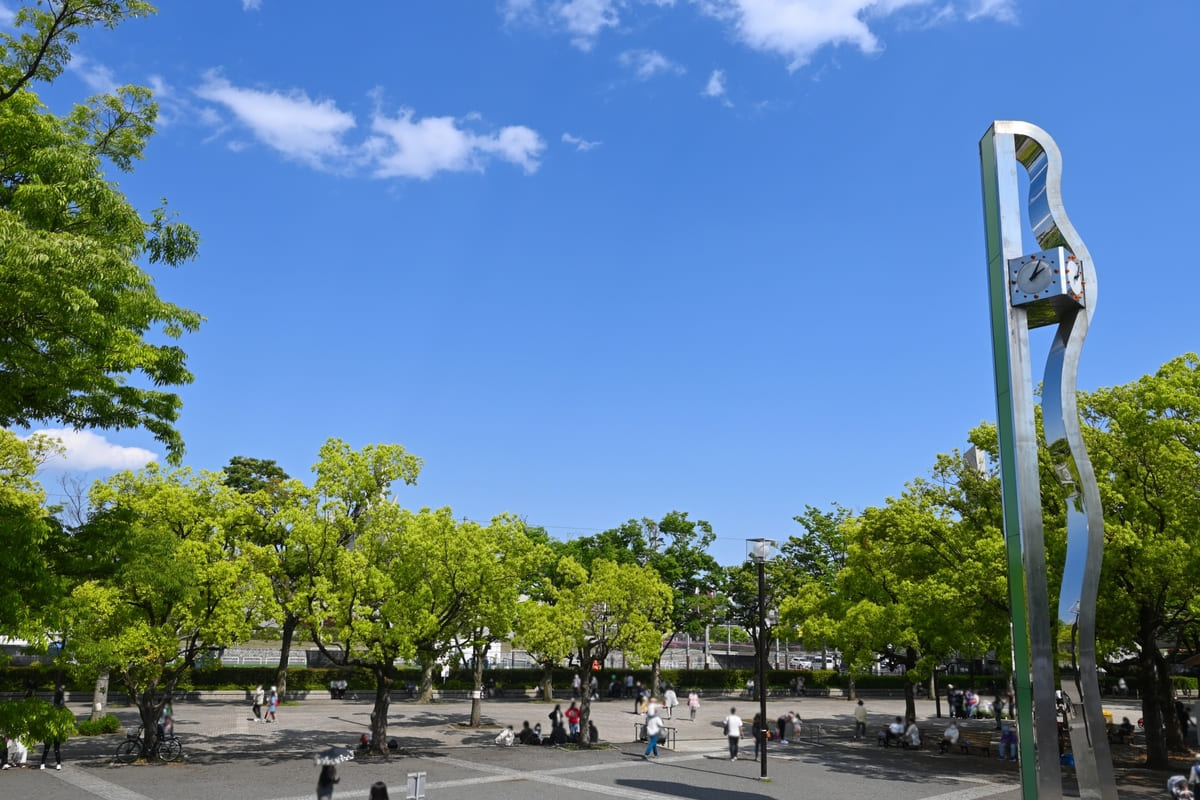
(1021, 300)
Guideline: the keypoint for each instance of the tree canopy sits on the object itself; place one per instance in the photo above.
(85, 339)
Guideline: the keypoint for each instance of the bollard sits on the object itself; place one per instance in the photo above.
(416, 786)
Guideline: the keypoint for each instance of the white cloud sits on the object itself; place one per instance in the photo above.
(585, 19)
(1002, 10)
(420, 148)
(796, 29)
(793, 29)
(307, 130)
(97, 76)
(251, 5)
(581, 145)
(317, 133)
(648, 63)
(716, 87)
(6, 15)
(86, 451)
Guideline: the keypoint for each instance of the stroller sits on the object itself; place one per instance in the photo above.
(1177, 785)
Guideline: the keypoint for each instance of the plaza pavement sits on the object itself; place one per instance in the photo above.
(228, 755)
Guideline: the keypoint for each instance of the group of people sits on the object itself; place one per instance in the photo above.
(337, 689)
(904, 734)
(259, 699)
(564, 729)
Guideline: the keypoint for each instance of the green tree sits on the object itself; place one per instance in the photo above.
(1144, 441)
(492, 567)
(175, 577)
(586, 614)
(84, 337)
(30, 583)
(677, 548)
(271, 493)
(350, 549)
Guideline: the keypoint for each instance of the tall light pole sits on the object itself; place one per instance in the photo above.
(761, 551)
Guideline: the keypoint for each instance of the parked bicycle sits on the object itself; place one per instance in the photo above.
(164, 748)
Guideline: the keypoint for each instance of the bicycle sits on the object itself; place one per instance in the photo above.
(165, 748)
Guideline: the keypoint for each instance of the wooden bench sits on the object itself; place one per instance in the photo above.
(666, 735)
(979, 741)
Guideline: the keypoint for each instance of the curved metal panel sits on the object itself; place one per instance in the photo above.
(1036, 150)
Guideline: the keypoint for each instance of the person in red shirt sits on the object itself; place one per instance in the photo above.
(572, 715)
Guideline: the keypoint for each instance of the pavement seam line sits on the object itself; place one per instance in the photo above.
(98, 787)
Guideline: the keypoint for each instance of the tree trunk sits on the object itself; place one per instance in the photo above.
(426, 695)
(851, 689)
(1172, 729)
(379, 713)
(477, 682)
(548, 681)
(285, 651)
(149, 710)
(910, 694)
(1152, 711)
(100, 697)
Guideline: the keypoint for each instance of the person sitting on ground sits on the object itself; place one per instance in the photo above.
(1008, 743)
(558, 734)
(912, 734)
(896, 730)
(949, 737)
(364, 742)
(527, 734)
(885, 735)
(537, 731)
(593, 732)
(506, 737)
(1125, 731)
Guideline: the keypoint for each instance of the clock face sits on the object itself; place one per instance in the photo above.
(1035, 276)
(1075, 276)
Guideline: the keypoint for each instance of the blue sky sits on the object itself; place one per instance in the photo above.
(599, 259)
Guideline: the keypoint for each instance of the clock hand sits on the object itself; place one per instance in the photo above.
(1037, 270)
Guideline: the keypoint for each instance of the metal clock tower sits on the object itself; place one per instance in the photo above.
(1054, 286)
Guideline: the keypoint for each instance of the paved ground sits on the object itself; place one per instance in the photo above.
(231, 756)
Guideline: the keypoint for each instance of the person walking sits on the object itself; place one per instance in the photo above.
(733, 730)
(258, 697)
(670, 700)
(272, 705)
(60, 701)
(576, 686)
(860, 721)
(693, 704)
(653, 728)
(325, 782)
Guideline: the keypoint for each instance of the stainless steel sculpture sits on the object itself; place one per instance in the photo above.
(1056, 285)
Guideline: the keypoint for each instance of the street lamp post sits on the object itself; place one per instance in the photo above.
(761, 551)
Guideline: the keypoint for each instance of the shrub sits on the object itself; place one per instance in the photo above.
(106, 724)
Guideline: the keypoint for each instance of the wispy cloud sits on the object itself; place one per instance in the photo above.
(295, 125)
(317, 133)
(95, 75)
(84, 450)
(648, 63)
(251, 5)
(581, 145)
(1002, 10)
(715, 87)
